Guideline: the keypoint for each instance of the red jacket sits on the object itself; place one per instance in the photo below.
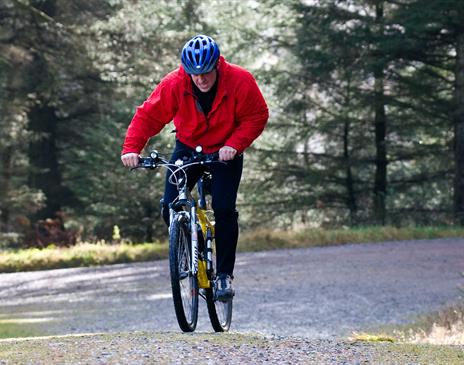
(237, 117)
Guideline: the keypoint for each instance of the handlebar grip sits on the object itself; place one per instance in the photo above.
(147, 162)
(214, 156)
(208, 158)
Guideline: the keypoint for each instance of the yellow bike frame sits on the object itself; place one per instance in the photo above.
(205, 224)
(204, 221)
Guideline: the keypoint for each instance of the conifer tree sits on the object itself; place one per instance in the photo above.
(434, 30)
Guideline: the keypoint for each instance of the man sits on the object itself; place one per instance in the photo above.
(216, 105)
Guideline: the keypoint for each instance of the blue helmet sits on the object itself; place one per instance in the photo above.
(199, 55)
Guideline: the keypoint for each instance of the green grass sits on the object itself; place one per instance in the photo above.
(90, 254)
(12, 329)
(418, 354)
(83, 254)
(264, 240)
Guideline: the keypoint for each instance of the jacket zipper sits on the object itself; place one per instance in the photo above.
(197, 103)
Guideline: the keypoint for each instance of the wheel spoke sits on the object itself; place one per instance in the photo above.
(220, 313)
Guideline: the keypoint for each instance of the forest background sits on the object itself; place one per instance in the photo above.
(366, 105)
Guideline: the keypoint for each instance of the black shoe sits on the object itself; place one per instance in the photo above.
(223, 286)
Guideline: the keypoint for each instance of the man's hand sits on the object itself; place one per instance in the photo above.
(227, 153)
(130, 159)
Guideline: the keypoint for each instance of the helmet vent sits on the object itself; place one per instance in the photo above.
(200, 55)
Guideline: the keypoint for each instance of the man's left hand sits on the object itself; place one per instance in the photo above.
(227, 153)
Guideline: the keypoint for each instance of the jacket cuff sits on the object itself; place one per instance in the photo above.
(235, 146)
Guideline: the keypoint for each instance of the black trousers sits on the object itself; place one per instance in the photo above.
(225, 183)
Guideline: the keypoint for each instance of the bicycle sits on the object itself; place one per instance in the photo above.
(191, 243)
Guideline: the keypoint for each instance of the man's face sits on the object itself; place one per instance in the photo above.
(205, 81)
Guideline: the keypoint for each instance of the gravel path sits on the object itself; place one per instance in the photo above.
(316, 293)
(150, 348)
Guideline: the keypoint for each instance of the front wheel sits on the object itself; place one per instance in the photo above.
(183, 283)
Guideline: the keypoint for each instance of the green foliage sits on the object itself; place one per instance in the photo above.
(353, 66)
(334, 74)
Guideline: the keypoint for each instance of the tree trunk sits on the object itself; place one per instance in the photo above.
(45, 174)
(459, 132)
(380, 121)
(349, 184)
(5, 183)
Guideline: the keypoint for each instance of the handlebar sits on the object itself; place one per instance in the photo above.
(155, 160)
(177, 169)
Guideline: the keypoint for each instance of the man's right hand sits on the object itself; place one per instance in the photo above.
(130, 159)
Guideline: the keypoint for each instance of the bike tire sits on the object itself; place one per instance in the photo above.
(184, 285)
(220, 313)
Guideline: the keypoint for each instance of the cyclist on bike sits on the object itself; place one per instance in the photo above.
(216, 105)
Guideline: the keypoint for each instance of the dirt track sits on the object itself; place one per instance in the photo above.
(312, 293)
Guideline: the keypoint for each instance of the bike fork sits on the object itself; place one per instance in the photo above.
(194, 240)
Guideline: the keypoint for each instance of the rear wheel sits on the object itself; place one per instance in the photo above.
(220, 313)
(184, 285)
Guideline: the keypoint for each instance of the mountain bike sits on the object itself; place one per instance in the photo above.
(192, 252)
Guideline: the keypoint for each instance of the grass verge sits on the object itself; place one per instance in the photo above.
(436, 338)
(418, 354)
(89, 254)
(17, 329)
(443, 327)
(264, 240)
(83, 254)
